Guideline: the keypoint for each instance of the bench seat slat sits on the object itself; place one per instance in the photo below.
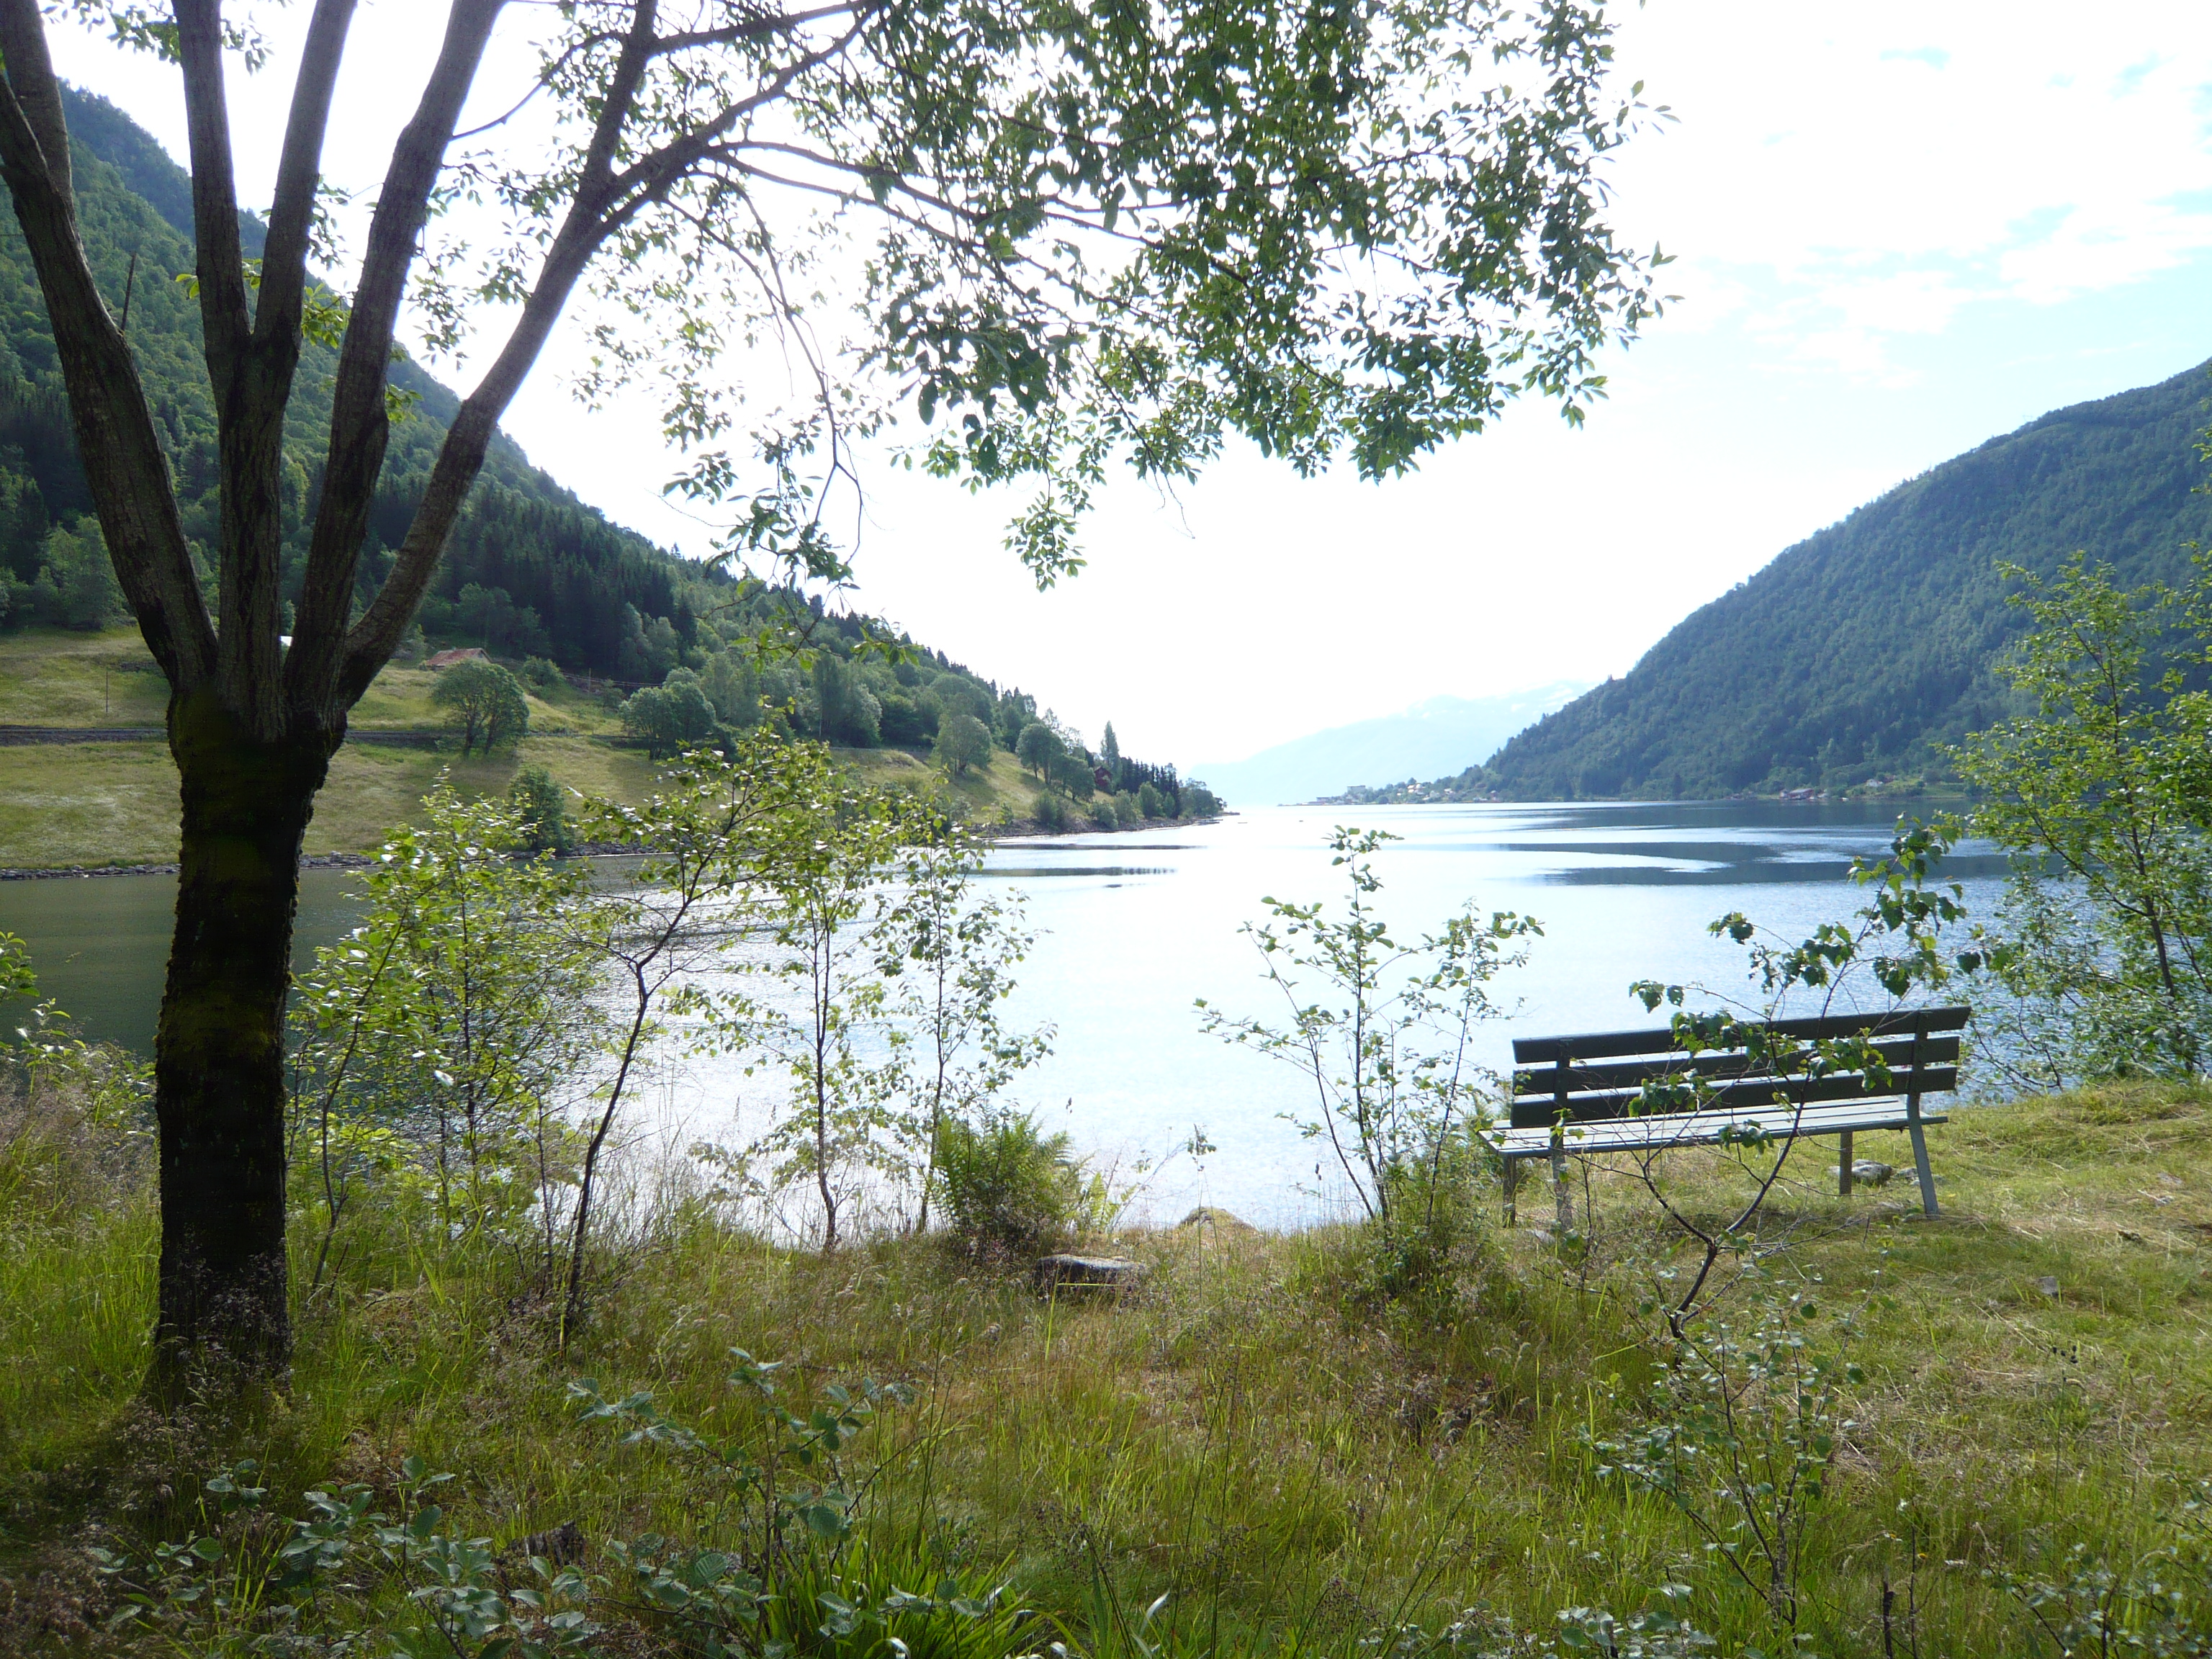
(1606, 1045)
(1706, 1128)
(1542, 1111)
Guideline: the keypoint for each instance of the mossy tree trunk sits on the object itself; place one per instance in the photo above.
(219, 1065)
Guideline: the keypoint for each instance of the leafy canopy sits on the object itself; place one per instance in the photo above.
(1064, 234)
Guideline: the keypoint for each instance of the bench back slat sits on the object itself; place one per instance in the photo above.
(1606, 1045)
(1897, 1053)
(1920, 1047)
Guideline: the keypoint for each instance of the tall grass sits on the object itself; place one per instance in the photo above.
(1292, 1462)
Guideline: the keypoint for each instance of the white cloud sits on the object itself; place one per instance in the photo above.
(1863, 174)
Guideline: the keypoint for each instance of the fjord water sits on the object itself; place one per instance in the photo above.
(1133, 928)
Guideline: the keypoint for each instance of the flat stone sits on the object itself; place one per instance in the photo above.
(2048, 1284)
(1866, 1172)
(1053, 1271)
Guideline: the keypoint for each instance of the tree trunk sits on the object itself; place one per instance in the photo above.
(219, 1050)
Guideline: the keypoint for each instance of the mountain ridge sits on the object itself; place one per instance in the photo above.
(1868, 647)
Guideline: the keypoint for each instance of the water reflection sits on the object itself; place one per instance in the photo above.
(1134, 926)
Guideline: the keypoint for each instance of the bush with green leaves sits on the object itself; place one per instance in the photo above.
(541, 813)
(1738, 1435)
(483, 704)
(541, 674)
(1381, 1033)
(446, 1042)
(947, 956)
(819, 1025)
(2102, 791)
(1006, 1188)
(1049, 812)
(670, 717)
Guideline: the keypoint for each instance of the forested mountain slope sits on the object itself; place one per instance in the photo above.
(531, 571)
(1865, 648)
(526, 544)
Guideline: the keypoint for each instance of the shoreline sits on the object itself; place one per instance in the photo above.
(1021, 829)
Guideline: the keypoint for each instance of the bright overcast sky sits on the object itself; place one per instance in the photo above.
(1899, 229)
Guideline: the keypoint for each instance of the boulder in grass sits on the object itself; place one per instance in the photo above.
(1054, 1272)
(1866, 1172)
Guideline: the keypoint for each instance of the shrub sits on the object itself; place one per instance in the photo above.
(541, 813)
(1006, 1188)
(1150, 802)
(1050, 812)
(540, 675)
(1104, 814)
(1381, 1030)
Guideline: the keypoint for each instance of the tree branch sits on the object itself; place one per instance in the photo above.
(371, 641)
(31, 72)
(299, 171)
(224, 311)
(360, 429)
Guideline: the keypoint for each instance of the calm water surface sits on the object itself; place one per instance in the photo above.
(1133, 928)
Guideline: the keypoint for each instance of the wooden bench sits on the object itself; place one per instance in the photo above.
(1585, 1095)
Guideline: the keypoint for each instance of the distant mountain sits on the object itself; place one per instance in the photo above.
(1430, 739)
(1865, 648)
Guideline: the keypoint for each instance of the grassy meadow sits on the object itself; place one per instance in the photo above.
(97, 803)
(1295, 1463)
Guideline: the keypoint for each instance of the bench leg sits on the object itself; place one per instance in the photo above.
(1562, 1192)
(1920, 1167)
(1512, 1191)
(1844, 1165)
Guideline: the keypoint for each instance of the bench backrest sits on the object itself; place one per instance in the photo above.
(1602, 1074)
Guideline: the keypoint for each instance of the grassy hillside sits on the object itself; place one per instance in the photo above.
(1294, 1467)
(1863, 649)
(116, 803)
